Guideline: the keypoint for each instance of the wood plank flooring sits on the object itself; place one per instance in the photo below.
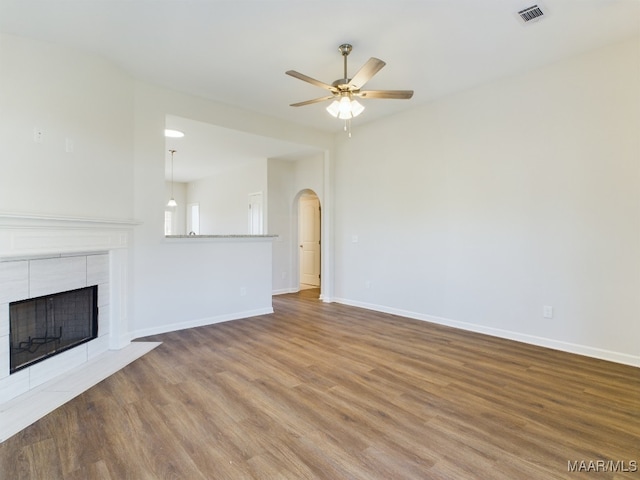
(326, 391)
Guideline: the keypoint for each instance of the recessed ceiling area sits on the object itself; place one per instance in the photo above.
(206, 149)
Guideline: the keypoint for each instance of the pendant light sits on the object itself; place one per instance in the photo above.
(172, 203)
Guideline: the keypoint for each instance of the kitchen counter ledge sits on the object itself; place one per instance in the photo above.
(220, 237)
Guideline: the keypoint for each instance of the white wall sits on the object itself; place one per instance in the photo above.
(287, 179)
(475, 210)
(224, 197)
(308, 174)
(479, 209)
(280, 195)
(68, 95)
(77, 101)
(182, 283)
(116, 171)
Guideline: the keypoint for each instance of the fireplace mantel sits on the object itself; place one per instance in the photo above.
(25, 219)
(28, 235)
(55, 253)
(46, 254)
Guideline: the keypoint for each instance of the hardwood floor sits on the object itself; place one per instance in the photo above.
(326, 391)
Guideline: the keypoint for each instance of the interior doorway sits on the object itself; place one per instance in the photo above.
(256, 221)
(309, 243)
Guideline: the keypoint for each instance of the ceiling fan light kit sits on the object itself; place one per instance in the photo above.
(344, 91)
(345, 108)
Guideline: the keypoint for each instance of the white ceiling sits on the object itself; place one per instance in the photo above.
(208, 149)
(236, 52)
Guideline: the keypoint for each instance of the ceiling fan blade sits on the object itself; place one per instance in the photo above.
(395, 94)
(309, 102)
(367, 71)
(310, 80)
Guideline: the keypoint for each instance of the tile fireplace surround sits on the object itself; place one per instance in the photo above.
(42, 255)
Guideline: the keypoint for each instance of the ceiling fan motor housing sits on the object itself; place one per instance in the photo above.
(341, 83)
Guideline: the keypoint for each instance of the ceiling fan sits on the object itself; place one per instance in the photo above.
(345, 91)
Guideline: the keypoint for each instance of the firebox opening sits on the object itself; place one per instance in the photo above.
(44, 326)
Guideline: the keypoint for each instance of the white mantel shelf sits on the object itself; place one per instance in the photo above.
(34, 234)
(27, 220)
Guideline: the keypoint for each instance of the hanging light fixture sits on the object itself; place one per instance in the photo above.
(342, 91)
(346, 108)
(172, 203)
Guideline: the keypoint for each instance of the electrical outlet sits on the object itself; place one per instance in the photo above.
(367, 284)
(38, 135)
(547, 311)
(243, 291)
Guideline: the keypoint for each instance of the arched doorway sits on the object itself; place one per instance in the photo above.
(309, 240)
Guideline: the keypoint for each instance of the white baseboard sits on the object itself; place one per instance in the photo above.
(201, 322)
(617, 357)
(283, 291)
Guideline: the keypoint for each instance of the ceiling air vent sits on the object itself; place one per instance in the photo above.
(531, 14)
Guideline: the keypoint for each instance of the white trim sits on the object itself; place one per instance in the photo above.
(35, 235)
(200, 322)
(617, 357)
(218, 238)
(283, 291)
(17, 219)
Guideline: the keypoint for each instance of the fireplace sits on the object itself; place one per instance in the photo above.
(48, 325)
(41, 256)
